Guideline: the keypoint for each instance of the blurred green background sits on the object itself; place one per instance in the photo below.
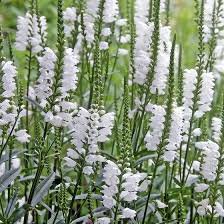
(182, 21)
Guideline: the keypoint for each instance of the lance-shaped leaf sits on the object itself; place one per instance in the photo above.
(11, 205)
(7, 178)
(57, 218)
(42, 189)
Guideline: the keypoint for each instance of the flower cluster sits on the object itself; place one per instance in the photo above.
(124, 186)
(87, 129)
(31, 32)
(154, 135)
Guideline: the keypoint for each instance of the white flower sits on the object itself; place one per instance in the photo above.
(142, 42)
(111, 173)
(154, 135)
(69, 77)
(121, 22)
(203, 207)
(106, 32)
(216, 128)
(128, 213)
(125, 39)
(219, 209)
(197, 132)
(89, 19)
(162, 67)
(22, 33)
(108, 202)
(44, 83)
(196, 165)
(8, 79)
(111, 179)
(175, 136)
(90, 128)
(161, 204)
(210, 151)
(191, 179)
(111, 11)
(206, 94)
(69, 16)
(35, 38)
(103, 45)
(103, 220)
(106, 123)
(201, 187)
(22, 136)
(70, 162)
(30, 32)
(88, 170)
(190, 79)
(7, 112)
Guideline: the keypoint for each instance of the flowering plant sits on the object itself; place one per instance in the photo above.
(106, 125)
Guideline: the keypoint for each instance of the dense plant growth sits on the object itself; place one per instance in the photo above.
(102, 123)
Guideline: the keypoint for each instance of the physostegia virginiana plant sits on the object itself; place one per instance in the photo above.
(106, 124)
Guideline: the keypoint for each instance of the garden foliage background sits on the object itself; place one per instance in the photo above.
(60, 181)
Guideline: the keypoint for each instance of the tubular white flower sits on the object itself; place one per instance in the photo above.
(142, 43)
(216, 128)
(208, 14)
(89, 18)
(142, 10)
(104, 45)
(208, 27)
(22, 33)
(69, 77)
(206, 94)
(210, 152)
(22, 136)
(69, 16)
(162, 67)
(153, 137)
(111, 11)
(203, 207)
(30, 33)
(103, 220)
(190, 79)
(130, 186)
(175, 135)
(160, 204)
(201, 187)
(44, 83)
(197, 132)
(106, 32)
(111, 174)
(8, 79)
(90, 128)
(128, 213)
(7, 112)
(219, 209)
(35, 37)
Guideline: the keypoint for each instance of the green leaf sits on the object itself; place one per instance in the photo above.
(42, 189)
(7, 178)
(81, 219)
(11, 205)
(144, 158)
(17, 214)
(57, 218)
